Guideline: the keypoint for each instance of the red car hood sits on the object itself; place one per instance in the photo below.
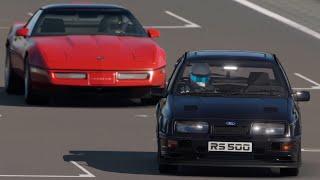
(99, 52)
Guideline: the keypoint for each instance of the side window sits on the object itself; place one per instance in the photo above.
(33, 20)
(284, 74)
(174, 73)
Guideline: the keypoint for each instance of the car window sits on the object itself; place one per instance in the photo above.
(88, 22)
(223, 78)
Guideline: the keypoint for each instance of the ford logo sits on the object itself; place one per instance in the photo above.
(231, 123)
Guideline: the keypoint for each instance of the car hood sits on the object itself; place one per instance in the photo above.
(98, 52)
(225, 107)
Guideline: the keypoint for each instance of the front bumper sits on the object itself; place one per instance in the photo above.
(156, 78)
(98, 82)
(266, 153)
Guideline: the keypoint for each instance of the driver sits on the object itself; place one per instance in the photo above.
(200, 78)
(200, 75)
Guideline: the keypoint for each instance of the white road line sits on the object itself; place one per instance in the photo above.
(279, 18)
(86, 175)
(307, 79)
(189, 24)
(316, 87)
(30, 14)
(141, 116)
(310, 150)
(4, 28)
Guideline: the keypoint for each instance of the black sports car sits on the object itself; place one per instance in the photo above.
(229, 109)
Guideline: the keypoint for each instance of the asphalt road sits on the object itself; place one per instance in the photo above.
(114, 138)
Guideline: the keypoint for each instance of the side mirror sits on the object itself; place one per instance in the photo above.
(22, 32)
(302, 96)
(158, 92)
(153, 33)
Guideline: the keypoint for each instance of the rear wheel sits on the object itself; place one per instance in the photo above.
(12, 82)
(289, 171)
(31, 96)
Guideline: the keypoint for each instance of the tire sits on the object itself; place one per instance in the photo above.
(13, 84)
(167, 169)
(31, 96)
(289, 171)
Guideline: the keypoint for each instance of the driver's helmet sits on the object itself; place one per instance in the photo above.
(200, 74)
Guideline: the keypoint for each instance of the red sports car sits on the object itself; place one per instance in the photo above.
(83, 46)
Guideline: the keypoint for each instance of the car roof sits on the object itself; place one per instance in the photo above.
(230, 54)
(82, 6)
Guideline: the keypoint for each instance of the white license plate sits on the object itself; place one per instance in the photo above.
(230, 146)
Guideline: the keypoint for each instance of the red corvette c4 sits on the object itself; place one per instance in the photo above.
(83, 46)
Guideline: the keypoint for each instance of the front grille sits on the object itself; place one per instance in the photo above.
(230, 131)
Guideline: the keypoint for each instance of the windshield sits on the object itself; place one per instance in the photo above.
(88, 22)
(230, 78)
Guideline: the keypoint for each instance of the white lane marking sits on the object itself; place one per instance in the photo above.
(279, 18)
(30, 14)
(141, 116)
(189, 24)
(316, 87)
(310, 150)
(86, 175)
(307, 79)
(0, 115)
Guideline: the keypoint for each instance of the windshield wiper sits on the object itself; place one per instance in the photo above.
(270, 92)
(202, 94)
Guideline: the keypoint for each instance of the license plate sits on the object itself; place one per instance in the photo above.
(230, 146)
(102, 78)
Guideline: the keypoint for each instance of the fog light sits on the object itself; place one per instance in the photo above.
(287, 147)
(133, 76)
(70, 75)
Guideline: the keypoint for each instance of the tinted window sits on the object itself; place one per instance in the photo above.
(230, 78)
(88, 22)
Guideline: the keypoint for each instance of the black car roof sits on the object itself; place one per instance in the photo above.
(82, 5)
(232, 54)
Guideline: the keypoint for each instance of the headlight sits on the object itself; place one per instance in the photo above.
(133, 76)
(267, 129)
(70, 75)
(191, 127)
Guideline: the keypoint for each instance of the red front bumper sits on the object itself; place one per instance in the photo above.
(108, 79)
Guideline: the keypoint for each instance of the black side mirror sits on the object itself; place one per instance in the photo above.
(302, 96)
(158, 92)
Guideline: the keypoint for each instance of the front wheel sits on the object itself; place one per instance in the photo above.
(12, 83)
(289, 171)
(31, 96)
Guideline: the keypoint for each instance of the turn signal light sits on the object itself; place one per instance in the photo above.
(172, 144)
(287, 147)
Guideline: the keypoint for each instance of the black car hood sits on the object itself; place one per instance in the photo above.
(186, 107)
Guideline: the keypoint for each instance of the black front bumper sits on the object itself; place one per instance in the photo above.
(265, 153)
